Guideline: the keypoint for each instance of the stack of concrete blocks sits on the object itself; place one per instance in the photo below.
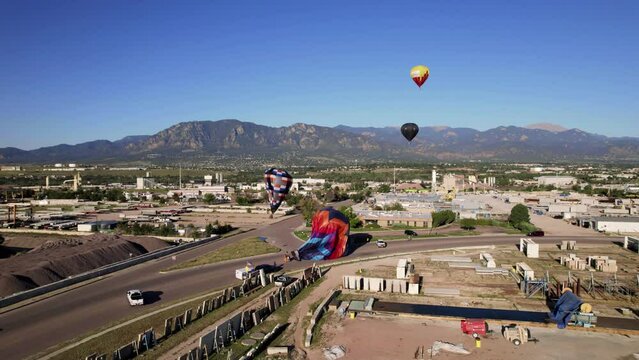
(405, 268)
(413, 285)
(603, 264)
(573, 262)
(529, 247)
(525, 271)
(377, 285)
(352, 282)
(568, 245)
(374, 284)
(488, 259)
(397, 286)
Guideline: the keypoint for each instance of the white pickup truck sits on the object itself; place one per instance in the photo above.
(244, 272)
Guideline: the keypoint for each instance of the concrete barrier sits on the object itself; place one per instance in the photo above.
(107, 269)
(317, 314)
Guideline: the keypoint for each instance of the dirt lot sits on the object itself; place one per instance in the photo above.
(399, 338)
(239, 220)
(501, 292)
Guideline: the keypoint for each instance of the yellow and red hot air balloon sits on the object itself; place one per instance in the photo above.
(419, 74)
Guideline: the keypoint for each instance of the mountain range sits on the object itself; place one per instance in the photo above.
(201, 141)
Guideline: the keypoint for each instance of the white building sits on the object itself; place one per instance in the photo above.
(144, 183)
(610, 224)
(208, 180)
(557, 181)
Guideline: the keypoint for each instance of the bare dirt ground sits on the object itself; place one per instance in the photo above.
(57, 259)
(399, 338)
(502, 292)
(239, 220)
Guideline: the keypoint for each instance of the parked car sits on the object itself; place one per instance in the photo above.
(381, 244)
(410, 233)
(135, 297)
(536, 233)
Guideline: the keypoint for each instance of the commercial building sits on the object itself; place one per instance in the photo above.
(390, 218)
(10, 168)
(611, 224)
(557, 181)
(145, 182)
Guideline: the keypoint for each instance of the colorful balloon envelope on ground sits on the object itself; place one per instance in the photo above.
(329, 236)
(419, 74)
(278, 183)
(410, 130)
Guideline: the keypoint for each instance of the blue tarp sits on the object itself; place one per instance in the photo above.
(565, 306)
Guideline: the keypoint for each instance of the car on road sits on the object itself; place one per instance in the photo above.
(410, 233)
(536, 233)
(135, 297)
(381, 243)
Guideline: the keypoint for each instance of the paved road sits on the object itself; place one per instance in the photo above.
(35, 327)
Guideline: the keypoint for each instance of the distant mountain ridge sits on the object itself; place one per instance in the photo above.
(233, 139)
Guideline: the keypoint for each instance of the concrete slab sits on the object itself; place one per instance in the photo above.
(413, 289)
(208, 341)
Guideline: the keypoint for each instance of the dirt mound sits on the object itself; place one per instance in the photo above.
(58, 259)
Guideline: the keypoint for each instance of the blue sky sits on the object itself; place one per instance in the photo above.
(75, 71)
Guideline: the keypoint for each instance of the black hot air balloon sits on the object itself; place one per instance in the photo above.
(410, 130)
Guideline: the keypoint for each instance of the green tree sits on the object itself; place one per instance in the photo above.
(519, 214)
(443, 217)
(243, 201)
(394, 207)
(384, 188)
(209, 199)
(358, 185)
(293, 199)
(468, 224)
(353, 219)
(358, 197)
(309, 206)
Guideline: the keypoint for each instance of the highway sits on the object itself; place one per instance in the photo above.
(35, 327)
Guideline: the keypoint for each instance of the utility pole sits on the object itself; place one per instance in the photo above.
(394, 183)
(180, 176)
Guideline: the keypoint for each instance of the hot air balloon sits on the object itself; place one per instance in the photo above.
(410, 130)
(419, 74)
(329, 236)
(278, 182)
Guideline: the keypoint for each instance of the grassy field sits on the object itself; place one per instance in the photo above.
(112, 340)
(244, 248)
(302, 234)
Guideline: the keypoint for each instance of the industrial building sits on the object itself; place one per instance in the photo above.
(390, 218)
(146, 182)
(611, 224)
(557, 181)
